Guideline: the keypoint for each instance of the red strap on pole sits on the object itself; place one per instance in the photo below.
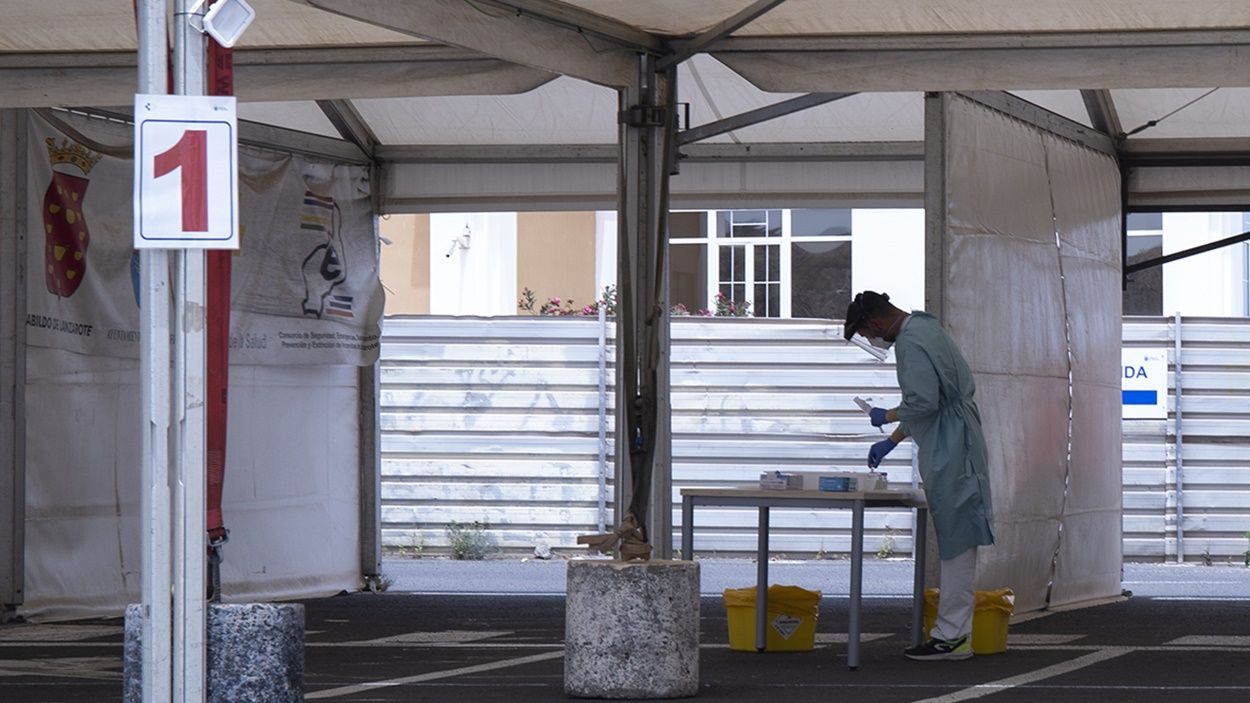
(220, 82)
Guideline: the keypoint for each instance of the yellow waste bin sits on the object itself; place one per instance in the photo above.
(990, 617)
(791, 620)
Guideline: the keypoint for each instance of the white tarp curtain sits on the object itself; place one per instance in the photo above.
(291, 486)
(304, 286)
(290, 491)
(1039, 321)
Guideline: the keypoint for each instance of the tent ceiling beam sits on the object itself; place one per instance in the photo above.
(1025, 111)
(1102, 113)
(1216, 151)
(751, 117)
(608, 153)
(581, 21)
(343, 115)
(1039, 61)
(264, 136)
(718, 31)
(909, 42)
(108, 78)
(1134, 152)
(505, 31)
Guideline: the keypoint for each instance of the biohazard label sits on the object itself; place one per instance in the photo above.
(785, 625)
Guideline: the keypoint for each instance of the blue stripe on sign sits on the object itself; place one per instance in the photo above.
(1140, 397)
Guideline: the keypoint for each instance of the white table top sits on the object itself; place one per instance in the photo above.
(905, 496)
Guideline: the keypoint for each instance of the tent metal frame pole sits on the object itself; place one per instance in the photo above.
(156, 403)
(12, 360)
(1186, 253)
(570, 18)
(1043, 119)
(190, 442)
(717, 32)
(370, 469)
(349, 123)
(936, 106)
(752, 117)
(1100, 107)
(643, 445)
(264, 136)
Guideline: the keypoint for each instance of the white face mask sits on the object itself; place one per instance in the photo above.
(880, 343)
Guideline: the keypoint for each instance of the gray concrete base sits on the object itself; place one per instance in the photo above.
(255, 653)
(632, 629)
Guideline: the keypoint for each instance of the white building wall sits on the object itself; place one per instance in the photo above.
(887, 254)
(473, 263)
(1211, 284)
(605, 249)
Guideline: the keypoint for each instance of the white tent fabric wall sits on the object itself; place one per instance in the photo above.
(292, 483)
(1045, 365)
(284, 484)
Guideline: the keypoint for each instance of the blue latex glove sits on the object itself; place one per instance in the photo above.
(877, 417)
(879, 450)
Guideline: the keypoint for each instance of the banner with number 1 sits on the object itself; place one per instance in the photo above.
(186, 172)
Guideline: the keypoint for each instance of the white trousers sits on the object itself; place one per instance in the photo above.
(958, 596)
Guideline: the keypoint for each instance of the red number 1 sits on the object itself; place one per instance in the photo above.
(191, 155)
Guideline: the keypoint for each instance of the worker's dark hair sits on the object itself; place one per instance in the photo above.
(867, 304)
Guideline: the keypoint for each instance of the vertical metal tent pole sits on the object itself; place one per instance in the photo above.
(190, 362)
(12, 360)
(154, 362)
(367, 422)
(643, 443)
(935, 236)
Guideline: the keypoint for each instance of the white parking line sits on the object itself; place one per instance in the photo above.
(432, 676)
(985, 689)
(1213, 640)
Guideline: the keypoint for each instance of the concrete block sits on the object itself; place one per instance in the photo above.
(632, 629)
(255, 653)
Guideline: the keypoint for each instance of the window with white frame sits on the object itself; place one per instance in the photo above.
(782, 263)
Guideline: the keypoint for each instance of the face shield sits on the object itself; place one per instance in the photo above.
(860, 341)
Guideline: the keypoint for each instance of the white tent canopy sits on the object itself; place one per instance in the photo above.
(516, 104)
(419, 99)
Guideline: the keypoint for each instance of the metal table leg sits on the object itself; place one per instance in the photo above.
(857, 579)
(761, 584)
(917, 591)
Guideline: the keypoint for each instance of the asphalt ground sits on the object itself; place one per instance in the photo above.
(404, 646)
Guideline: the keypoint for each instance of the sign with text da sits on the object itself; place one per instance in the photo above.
(1144, 386)
(186, 172)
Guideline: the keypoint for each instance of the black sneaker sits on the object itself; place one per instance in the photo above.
(936, 649)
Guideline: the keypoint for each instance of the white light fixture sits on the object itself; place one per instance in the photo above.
(226, 20)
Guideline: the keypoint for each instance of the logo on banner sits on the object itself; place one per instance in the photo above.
(65, 229)
(325, 267)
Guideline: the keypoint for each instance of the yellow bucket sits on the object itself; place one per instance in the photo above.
(990, 617)
(791, 621)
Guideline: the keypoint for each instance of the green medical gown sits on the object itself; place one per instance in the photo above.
(940, 415)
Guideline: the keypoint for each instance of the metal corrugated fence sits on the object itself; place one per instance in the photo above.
(497, 421)
(1205, 488)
